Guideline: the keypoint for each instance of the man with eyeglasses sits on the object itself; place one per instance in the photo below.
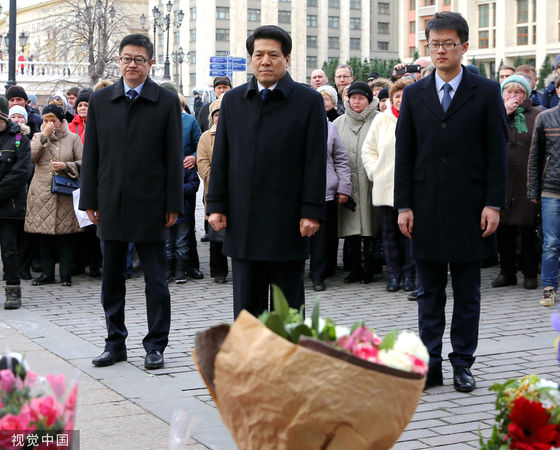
(343, 76)
(449, 187)
(132, 188)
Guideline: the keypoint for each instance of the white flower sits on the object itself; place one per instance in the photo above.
(408, 342)
(340, 330)
(396, 359)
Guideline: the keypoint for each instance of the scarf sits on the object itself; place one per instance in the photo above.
(363, 116)
(395, 111)
(520, 122)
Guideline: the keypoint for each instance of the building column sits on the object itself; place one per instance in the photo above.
(344, 40)
(238, 36)
(323, 34)
(501, 27)
(298, 60)
(205, 40)
(366, 29)
(542, 44)
(269, 12)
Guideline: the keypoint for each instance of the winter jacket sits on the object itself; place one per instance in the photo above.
(14, 170)
(34, 120)
(204, 157)
(191, 182)
(49, 213)
(78, 126)
(338, 166)
(544, 159)
(191, 134)
(549, 97)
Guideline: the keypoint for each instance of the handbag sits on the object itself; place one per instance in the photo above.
(64, 185)
(215, 236)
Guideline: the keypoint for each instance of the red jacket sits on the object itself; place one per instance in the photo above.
(78, 126)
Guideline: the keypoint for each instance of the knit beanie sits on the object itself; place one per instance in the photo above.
(170, 86)
(53, 108)
(327, 89)
(359, 87)
(4, 108)
(383, 93)
(16, 109)
(84, 96)
(519, 80)
(16, 91)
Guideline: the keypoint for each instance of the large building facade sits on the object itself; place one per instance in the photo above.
(321, 30)
(500, 30)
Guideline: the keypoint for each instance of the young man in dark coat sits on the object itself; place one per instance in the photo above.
(132, 187)
(14, 170)
(267, 181)
(449, 187)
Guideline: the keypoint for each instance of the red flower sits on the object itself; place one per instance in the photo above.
(529, 427)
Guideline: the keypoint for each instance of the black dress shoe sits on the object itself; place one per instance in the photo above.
(109, 357)
(463, 381)
(530, 283)
(352, 277)
(195, 274)
(393, 285)
(319, 286)
(409, 285)
(434, 378)
(503, 280)
(413, 296)
(153, 360)
(43, 279)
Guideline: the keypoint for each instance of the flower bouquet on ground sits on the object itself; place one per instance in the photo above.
(528, 415)
(35, 412)
(283, 383)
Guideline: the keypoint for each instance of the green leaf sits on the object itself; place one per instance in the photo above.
(297, 331)
(315, 318)
(389, 341)
(280, 303)
(275, 323)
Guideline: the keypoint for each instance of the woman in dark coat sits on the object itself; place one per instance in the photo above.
(520, 215)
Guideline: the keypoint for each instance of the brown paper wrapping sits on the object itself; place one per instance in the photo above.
(273, 394)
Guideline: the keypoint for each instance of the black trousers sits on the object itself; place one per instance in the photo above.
(66, 250)
(218, 261)
(324, 245)
(9, 230)
(465, 279)
(113, 289)
(252, 280)
(507, 246)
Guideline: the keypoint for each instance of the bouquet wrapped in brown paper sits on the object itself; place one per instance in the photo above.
(273, 394)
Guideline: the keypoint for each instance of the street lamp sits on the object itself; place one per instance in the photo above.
(23, 38)
(179, 58)
(166, 24)
(156, 13)
(143, 20)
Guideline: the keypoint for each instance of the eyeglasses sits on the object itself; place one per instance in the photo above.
(434, 46)
(139, 60)
(342, 77)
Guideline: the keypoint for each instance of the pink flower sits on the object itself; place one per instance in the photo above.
(11, 422)
(30, 378)
(72, 398)
(418, 365)
(57, 384)
(46, 408)
(7, 380)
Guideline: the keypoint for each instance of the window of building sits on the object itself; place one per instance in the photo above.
(447, 2)
(534, 34)
(222, 13)
(383, 8)
(284, 16)
(522, 11)
(192, 58)
(311, 61)
(253, 15)
(355, 23)
(355, 43)
(192, 35)
(483, 39)
(193, 13)
(483, 15)
(333, 22)
(412, 26)
(312, 41)
(412, 4)
(381, 45)
(285, 1)
(311, 21)
(522, 35)
(429, 2)
(221, 52)
(334, 42)
(311, 2)
(332, 58)
(355, 4)
(192, 78)
(534, 10)
(177, 37)
(222, 34)
(334, 3)
(383, 27)
(411, 52)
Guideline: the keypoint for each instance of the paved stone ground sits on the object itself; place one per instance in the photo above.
(515, 339)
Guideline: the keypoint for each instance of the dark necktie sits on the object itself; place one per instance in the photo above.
(264, 93)
(132, 94)
(446, 100)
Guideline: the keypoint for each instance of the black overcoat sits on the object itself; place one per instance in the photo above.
(449, 166)
(132, 169)
(269, 169)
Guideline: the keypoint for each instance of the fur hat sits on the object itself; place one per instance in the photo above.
(519, 80)
(84, 96)
(16, 91)
(16, 109)
(53, 108)
(359, 87)
(4, 108)
(328, 89)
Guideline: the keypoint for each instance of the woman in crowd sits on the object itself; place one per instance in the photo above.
(54, 151)
(330, 98)
(378, 156)
(383, 97)
(356, 224)
(218, 261)
(324, 243)
(78, 124)
(520, 215)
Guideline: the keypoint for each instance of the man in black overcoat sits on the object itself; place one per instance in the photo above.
(268, 175)
(132, 188)
(449, 187)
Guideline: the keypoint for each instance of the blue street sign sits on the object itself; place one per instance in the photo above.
(218, 59)
(239, 67)
(238, 60)
(218, 66)
(218, 73)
